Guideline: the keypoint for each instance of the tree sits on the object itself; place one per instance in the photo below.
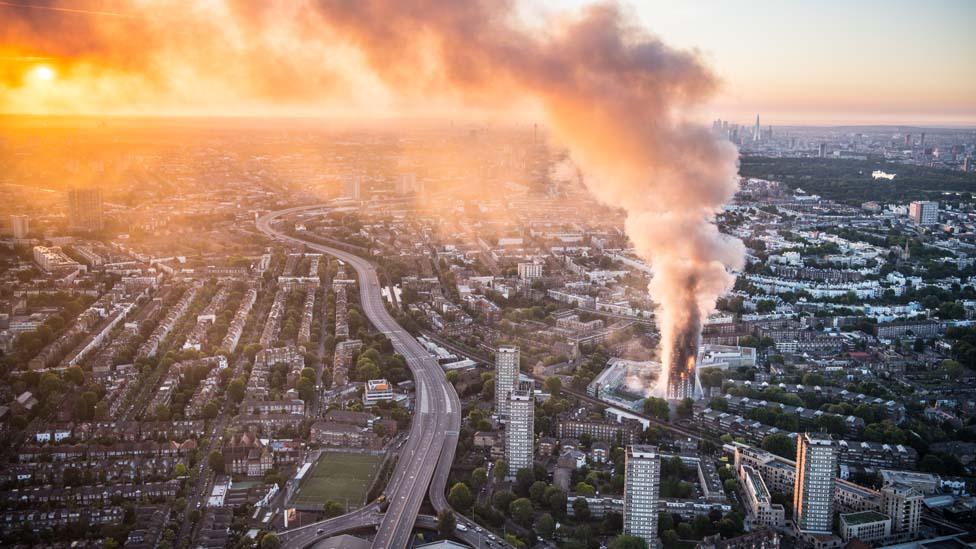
(812, 378)
(523, 481)
(75, 375)
(514, 541)
(669, 538)
(333, 508)
(501, 500)
(556, 499)
(685, 407)
(545, 526)
(953, 369)
(727, 528)
(251, 349)
(657, 407)
(478, 479)
(49, 383)
(665, 521)
(780, 445)
(585, 489)
(538, 492)
(554, 385)
(488, 390)
(367, 369)
(522, 511)
(931, 463)
(446, 523)
(210, 410)
(162, 412)
(306, 389)
(270, 541)
(216, 461)
(581, 509)
(501, 470)
(179, 470)
(236, 389)
(460, 497)
(628, 542)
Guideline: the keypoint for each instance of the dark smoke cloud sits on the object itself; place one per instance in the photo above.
(614, 94)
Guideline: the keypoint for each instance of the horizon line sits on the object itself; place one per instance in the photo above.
(436, 118)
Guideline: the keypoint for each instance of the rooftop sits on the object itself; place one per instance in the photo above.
(863, 517)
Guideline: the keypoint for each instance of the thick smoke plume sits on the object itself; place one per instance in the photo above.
(612, 93)
(615, 96)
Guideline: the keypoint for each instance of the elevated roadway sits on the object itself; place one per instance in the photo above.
(425, 460)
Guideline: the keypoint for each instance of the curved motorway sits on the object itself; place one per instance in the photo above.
(427, 457)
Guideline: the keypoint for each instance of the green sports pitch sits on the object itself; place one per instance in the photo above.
(339, 476)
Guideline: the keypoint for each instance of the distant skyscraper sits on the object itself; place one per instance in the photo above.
(908, 140)
(921, 140)
(20, 225)
(352, 187)
(822, 150)
(923, 212)
(757, 131)
(520, 430)
(642, 485)
(506, 378)
(813, 489)
(85, 209)
(406, 183)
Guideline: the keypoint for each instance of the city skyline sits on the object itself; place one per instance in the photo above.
(517, 274)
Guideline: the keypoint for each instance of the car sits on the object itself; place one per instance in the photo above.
(320, 531)
(478, 529)
(462, 527)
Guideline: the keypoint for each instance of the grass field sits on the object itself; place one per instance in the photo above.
(339, 476)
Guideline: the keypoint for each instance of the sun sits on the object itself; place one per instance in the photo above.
(42, 73)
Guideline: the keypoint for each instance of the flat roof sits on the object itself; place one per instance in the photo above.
(863, 517)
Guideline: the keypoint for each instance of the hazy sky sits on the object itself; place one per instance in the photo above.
(829, 61)
(819, 62)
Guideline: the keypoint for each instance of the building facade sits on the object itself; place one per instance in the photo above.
(85, 209)
(20, 224)
(924, 212)
(506, 377)
(813, 489)
(867, 526)
(520, 431)
(642, 485)
(903, 504)
(377, 390)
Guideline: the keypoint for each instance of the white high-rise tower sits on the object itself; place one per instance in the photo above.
(506, 378)
(642, 485)
(520, 430)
